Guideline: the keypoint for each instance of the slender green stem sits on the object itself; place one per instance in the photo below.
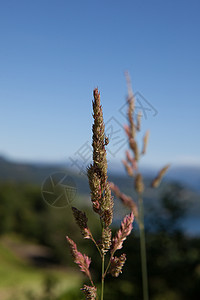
(102, 278)
(107, 267)
(96, 245)
(143, 250)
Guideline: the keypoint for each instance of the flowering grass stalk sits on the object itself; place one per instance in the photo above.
(131, 166)
(102, 203)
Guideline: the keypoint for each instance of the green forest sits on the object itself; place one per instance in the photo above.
(35, 261)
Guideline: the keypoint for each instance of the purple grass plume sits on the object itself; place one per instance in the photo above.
(102, 204)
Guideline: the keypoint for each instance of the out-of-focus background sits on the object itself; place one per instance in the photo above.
(53, 54)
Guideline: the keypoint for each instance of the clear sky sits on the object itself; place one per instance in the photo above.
(54, 53)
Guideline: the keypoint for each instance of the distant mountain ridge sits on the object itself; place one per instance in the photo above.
(187, 177)
(25, 172)
(37, 172)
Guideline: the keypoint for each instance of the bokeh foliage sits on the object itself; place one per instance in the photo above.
(173, 257)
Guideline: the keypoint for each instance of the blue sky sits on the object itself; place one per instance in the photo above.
(54, 53)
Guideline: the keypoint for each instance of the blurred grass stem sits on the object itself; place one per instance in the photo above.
(143, 249)
(102, 277)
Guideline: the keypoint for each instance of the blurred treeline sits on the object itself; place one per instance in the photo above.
(173, 258)
(24, 212)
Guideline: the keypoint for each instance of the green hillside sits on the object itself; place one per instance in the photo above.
(19, 279)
